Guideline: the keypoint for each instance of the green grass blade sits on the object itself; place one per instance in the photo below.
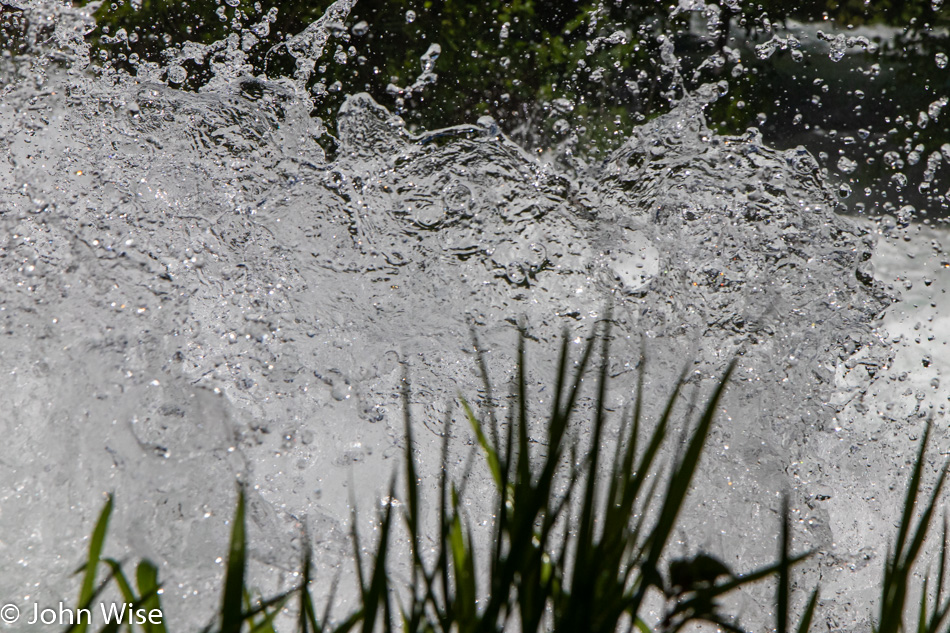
(146, 578)
(487, 386)
(350, 623)
(232, 613)
(121, 580)
(923, 527)
(270, 611)
(125, 589)
(88, 603)
(911, 498)
(466, 599)
(900, 562)
(523, 470)
(412, 514)
(589, 567)
(573, 391)
(922, 609)
(378, 591)
(307, 616)
(147, 600)
(96, 543)
(561, 382)
(491, 455)
(445, 613)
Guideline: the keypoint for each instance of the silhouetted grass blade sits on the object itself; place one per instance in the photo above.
(96, 543)
(491, 455)
(783, 594)
(232, 613)
(809, 612)
(377, 593)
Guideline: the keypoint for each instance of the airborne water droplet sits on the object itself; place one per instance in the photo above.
(846, 165)
(177, 74)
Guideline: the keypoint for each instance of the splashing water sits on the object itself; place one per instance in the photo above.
(198, 288)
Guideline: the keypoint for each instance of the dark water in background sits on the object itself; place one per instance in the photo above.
(194, 292)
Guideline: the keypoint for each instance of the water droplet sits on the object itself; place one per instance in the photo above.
(177, 74)
(893, 160)
(846, 165)
(839, 47)
(934, 109)
(941, 59)
(360, 28)
(844, 190)
(410, 16)
(428, 58)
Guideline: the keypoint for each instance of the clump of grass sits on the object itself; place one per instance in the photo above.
(571, 549)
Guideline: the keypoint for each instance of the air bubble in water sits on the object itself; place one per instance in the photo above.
(844, 190)
(941, 59)
(457, 198)
(428, 216)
